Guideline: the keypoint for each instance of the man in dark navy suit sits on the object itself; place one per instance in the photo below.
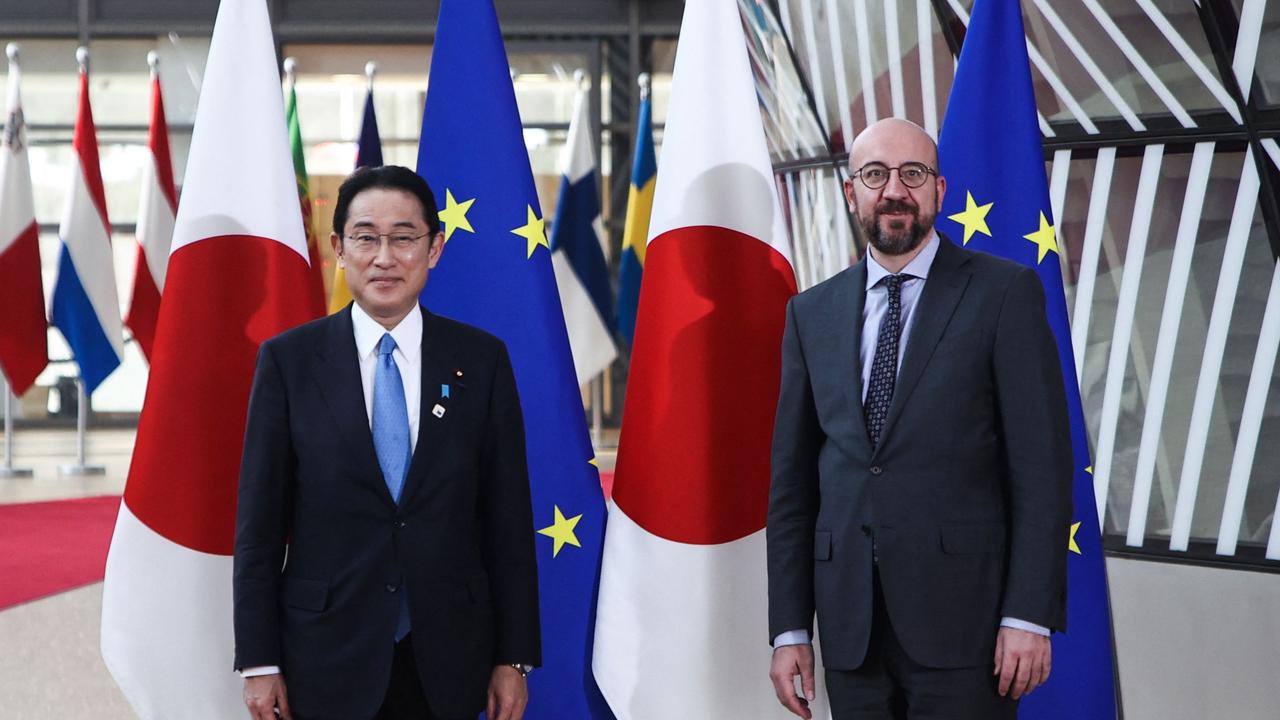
(921, 487)
(384, 559)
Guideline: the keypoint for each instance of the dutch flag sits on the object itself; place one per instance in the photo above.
(86, 307)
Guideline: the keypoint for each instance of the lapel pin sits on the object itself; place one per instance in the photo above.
(438, 410)
(458, 373)
(444, 391)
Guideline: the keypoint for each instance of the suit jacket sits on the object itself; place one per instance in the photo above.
(459, 542)
(967, 497)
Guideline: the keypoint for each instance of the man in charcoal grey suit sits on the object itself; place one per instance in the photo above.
(920, 497)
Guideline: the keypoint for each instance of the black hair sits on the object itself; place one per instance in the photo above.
(390, 177)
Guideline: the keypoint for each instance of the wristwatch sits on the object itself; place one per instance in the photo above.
(521, 668)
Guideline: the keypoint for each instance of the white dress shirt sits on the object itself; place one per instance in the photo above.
(408, 357)
(873, 311)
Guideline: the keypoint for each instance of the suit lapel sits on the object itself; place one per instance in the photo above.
(438, 368)
(942, 292)
(850, 299)
(338, 378)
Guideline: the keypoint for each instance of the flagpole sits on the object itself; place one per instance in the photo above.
(370, 69)
(9, 471)
(597, 411)
(81, 468)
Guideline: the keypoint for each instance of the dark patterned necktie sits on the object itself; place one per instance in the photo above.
(884, 368)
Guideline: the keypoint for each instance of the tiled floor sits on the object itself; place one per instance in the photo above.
(50, 665)
(45, 450)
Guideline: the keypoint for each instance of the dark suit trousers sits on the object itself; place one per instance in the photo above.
(892, 686)
(405, 699)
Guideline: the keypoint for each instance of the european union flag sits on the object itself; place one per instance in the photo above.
(998, 201)
(496, 273)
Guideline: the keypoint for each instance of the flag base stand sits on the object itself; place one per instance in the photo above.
(8, 471)
(81, 470)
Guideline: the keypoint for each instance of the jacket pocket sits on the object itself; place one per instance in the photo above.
(822, 545)
(305, 594)
(966, 539)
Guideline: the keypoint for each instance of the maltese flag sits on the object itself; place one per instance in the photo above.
(24, 348)
(156, 211)
(86, 307)
(238, 256)
(682, 622)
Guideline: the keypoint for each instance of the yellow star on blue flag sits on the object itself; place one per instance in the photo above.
(1001, 161)
(561, 531)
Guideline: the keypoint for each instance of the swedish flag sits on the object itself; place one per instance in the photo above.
(998, 201)
(635, 235)
(496, 273)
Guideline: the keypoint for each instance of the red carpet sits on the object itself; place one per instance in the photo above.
(49, 547)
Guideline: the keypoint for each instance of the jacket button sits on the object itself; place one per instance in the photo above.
(866, 530)
(392, 588)
(876, 470)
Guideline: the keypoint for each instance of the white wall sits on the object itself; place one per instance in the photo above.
(1196, 643)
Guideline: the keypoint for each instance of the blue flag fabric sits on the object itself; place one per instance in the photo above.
(369, 147)
(998, 201)
(574, 232)
(496, 273)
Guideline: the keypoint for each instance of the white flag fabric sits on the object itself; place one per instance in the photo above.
(582, 275)
(682, 626)
(24, 346)
(85, 304)
(238, 256)
(157, 209)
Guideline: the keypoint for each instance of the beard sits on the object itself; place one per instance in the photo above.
(901, 237)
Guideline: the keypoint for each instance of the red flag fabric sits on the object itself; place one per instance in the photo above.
(156, 214)
(238, 256)
(24, 348)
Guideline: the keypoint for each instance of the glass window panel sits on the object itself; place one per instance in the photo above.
(1119, 72)
(1267, 67)
(821, 236)
(1106, 289)
(1237, 363)
(1264, 480)
(790, 127)
(1169, 66)
(1156, 265)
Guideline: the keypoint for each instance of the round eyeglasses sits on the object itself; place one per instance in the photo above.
(876, 175)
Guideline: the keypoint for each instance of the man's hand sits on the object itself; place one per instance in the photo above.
(789, 661)
(1023, 660)
(508, 694)
(264, 694)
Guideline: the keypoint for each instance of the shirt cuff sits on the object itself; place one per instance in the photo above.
(792, 637)
(260, 670)
(1017, 624)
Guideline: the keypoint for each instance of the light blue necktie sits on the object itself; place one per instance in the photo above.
(391, 440)
(390, 419)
